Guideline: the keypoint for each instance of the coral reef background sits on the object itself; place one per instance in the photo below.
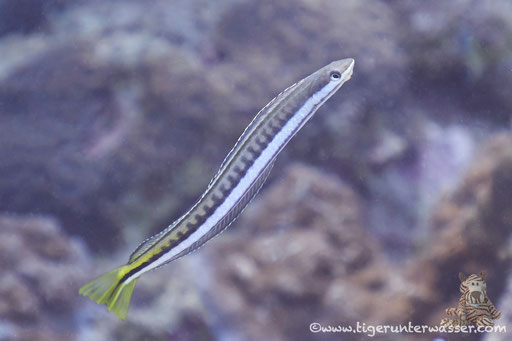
(114, 115)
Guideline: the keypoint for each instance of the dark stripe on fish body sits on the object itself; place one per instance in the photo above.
(262, 131)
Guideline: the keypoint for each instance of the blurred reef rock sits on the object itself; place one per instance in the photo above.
(96, 125)
(464, 48)
(127, 101)
(41, 270)
(309, 259)
(470, 232)
(115, 114)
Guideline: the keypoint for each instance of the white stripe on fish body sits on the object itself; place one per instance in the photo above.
(268, 154)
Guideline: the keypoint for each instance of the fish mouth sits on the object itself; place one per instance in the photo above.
(345, 67)
(350, 69)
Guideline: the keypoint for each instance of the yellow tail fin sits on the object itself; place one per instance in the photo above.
(109, 290)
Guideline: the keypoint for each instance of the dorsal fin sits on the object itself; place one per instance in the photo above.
(252, 126)
(147, 244)
(231, 216)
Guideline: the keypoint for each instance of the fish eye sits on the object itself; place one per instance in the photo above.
(335, 75)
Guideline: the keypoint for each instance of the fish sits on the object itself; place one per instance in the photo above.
(239, 178)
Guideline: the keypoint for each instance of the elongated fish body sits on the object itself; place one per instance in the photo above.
(238, 180)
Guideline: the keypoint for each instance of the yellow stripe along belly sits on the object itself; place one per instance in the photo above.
(241, 175)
